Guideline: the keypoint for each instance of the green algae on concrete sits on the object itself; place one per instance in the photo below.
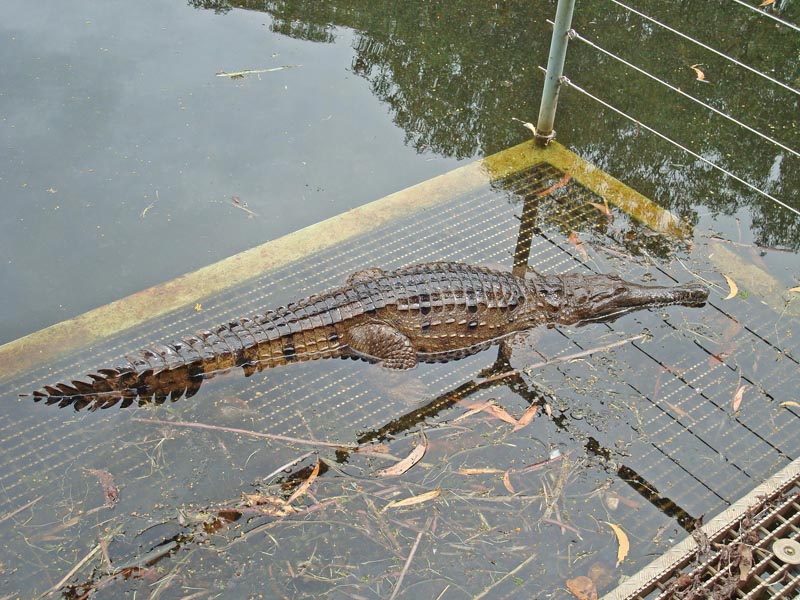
(617, 193)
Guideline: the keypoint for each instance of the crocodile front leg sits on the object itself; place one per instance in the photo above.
(381, 343)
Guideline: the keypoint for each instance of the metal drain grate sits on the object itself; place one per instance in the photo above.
(751, 550)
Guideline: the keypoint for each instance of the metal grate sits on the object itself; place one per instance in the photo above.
(650, 421)
(749, 551)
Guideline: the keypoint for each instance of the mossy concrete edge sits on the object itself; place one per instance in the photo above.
(601, 183)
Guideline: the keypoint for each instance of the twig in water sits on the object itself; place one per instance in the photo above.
(500, 376)
(562, 525)
(569, 357)
(511, 573)
(405, 566)
(291, 463)
(72, 572)
(271, 436)
(20, 509)
(240, 74)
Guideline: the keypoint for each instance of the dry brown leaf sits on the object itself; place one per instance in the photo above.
(745, 561)
(622, 539)
(499, 412)
(527, 417)
(576, 241)
(791, 403)
(796, 289)
(525, 124)
(582, 588)
(678, 410)
(603, 208)
(626, 501)
(409, 461)
(419, 499)
(733, 286)
(560, 183)
(303, 487)
(766, 3)
(737, 398)
(479, 471)
(507, 482)
(475, 409)
(700, 75)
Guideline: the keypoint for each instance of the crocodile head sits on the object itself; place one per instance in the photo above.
(577, 299)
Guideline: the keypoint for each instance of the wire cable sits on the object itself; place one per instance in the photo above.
(574, 34)
(566, 82)
(768, 15)
(709, 48)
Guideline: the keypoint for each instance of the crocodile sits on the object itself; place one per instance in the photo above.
(430, 312)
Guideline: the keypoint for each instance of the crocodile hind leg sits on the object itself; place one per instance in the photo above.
(381, 343)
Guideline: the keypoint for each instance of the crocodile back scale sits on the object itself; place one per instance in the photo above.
(430, 312)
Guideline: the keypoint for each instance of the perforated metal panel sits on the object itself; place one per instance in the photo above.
(643, 414)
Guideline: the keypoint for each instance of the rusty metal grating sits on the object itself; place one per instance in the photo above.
(747, 552)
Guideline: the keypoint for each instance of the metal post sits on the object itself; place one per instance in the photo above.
(555, 67)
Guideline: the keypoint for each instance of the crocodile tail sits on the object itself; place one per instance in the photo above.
(176, 370)
(161, 372)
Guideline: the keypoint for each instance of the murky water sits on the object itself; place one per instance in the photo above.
(132, 152)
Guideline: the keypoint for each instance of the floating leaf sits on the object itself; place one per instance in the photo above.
(582, 588)
(678, 410)
(198, 307)
(603, 208)
(791, 403)
(576, 241)
(525, 124)
(303, 487)
(745, 561)
(507, 482)
(700, 75)
(241, 74)
(409, 461)
(479, 471)
(622, 538)
(527, 417)
(413, 500)
(500, 412)
(737, 398)
(476, 408)
(733, 286)
(559, 184)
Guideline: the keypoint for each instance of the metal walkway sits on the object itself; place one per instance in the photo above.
(642, 431)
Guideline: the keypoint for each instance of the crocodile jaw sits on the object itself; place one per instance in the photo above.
(603, 298)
